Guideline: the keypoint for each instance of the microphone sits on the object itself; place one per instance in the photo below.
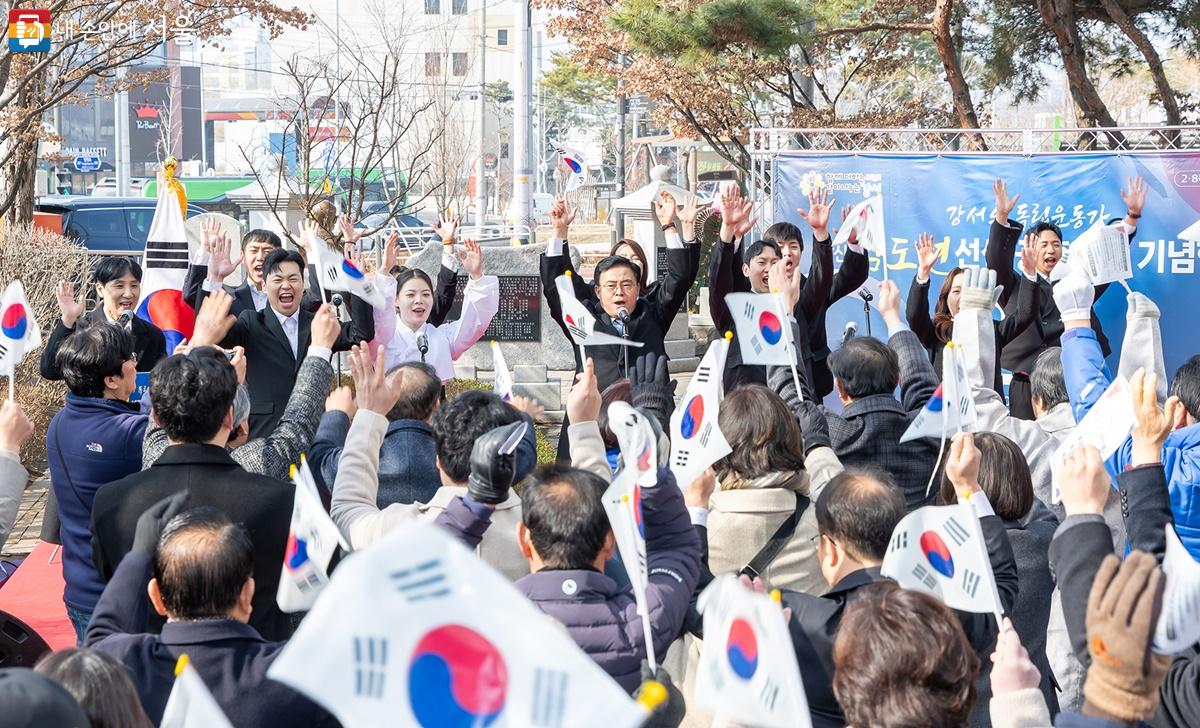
(422, 346)
(336, 299)
(623, 317)
(865, 295)
(125, 319)
(850, 331)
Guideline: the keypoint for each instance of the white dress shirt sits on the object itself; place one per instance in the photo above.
(291, 327)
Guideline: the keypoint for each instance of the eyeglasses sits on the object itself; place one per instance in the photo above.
(612, 286)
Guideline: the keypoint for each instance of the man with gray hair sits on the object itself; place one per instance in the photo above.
(274, 454)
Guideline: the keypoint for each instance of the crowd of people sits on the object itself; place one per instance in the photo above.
(173, 511)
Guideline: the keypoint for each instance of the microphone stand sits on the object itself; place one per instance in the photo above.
(866, 296)
(336, 301)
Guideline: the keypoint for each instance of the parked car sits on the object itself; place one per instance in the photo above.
(116, 224)
(107, 187)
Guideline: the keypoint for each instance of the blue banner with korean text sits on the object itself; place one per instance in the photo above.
(950, 196)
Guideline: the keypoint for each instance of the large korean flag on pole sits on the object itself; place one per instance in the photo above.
(417, 631)
(164, 266)
(696, 439)
(748, 670)
(939, 550)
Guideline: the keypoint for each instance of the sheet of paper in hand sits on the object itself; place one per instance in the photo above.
(1105, 427)
(1179, 625)
(1101, 253)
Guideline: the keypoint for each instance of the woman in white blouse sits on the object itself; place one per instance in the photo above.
(406, 331)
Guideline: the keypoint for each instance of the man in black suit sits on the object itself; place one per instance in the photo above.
(820, 289)
(856, 514)
(118, 287)
(276, 338)
(197, 568)
(1019, 355)
(192, 396)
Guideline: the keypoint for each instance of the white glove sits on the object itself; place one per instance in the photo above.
(1074, 295)
(1140, 307)
(979, 289)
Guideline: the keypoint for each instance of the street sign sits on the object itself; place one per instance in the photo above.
(87, 163)
(489, 162)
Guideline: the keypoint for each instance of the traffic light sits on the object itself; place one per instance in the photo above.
(62, 181)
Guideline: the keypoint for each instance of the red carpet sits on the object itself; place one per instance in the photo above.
(34, 595)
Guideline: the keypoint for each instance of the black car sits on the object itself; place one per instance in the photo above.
(109, 224)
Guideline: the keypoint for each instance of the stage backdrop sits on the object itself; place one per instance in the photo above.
(950, 196)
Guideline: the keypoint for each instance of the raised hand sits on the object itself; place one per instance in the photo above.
(888, 301)
(1004, 203)
(583, 401)
(852, 238)
(446, 229)
(341, 399)
(70, 307)
(350, 234)
(687, 218)
(529, 406)
(210, 229)
(787, 286)
(1083, 482)
(665, 208)
(817, 214)
(561, 217)
(962, 465)
(1029, 257)
(213, 321)
(1154, 425)
(353, 254)
(1012, 670)
(325, 327)
(927, 255)
(1134, 196)
(238, 362)
(309, 235)
(15, 427)
(221, 263)
(376, 392)
(734, 212)
(471, 258)
(391, 253)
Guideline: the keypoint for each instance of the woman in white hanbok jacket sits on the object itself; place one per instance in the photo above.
(401, 326)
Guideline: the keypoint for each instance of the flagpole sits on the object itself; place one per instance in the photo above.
(787, 327)
(11, 373)
(987, 560)
(650, 657)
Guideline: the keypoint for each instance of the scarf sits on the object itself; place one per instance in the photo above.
(793, 480)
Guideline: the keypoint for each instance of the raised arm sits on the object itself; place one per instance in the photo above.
(555, 262)
(918, 380)
(72, 309)
(1086, 375)
(447, 277)
(481, 300)
(296, 429)
(1002, 241)
(681, 273)
(917, 310)
(814, 297)
(15, 428)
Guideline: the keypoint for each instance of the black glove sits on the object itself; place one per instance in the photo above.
(151, 523)
(494, 464)
(813, 424)
(651, 387)
(669, 713)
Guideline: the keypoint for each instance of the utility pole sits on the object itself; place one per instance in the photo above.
(540, 152)
(121, 134)
(622, 108)
(481, 128)
(522, 210)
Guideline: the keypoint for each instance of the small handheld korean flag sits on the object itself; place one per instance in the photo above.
(696, 438)
(951, 409)
(311, 541)
(1179, 626)
(580, 321)
(502, 386)
(19, 332)
(939, 550)
(1106, 426)
(762, 333)
(748, 670)
(866, 218)
(472, 650)
(336, 273)
(573, 159)
(190, 704)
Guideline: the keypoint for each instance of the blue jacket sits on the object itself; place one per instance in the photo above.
(90, 442)
(1087, 378)
(407, 459)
